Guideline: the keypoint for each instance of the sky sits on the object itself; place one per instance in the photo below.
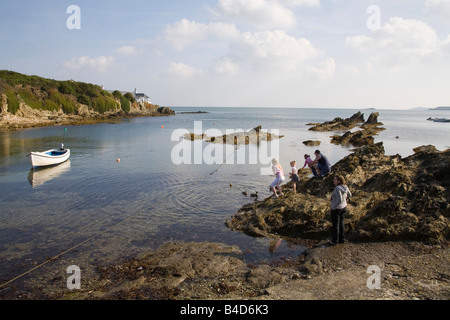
(384, 54)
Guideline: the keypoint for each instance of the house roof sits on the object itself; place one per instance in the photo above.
(141, 95)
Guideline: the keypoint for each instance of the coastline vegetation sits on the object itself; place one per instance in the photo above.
(52, 95)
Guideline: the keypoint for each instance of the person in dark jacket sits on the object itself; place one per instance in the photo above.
(339, 208)
(323, 164)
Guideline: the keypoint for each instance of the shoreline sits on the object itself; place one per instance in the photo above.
(411, 269)
(196, 271)
(13, 123)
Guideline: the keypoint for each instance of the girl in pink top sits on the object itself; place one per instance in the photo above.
(310, 163)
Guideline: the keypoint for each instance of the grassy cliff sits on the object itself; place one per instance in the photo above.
(52, 95)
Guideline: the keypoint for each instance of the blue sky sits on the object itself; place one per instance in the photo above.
(269, 53)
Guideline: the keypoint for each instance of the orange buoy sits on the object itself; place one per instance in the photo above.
(162, 127)
(118, 160)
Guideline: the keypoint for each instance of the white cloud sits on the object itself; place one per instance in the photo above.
(128, 51)
(185, 32)
(181, 70)
(273, 49)
(101, 63)
(399, 42)
(324, 69)
(438, 8)
(298, 3)
(226, 67)
(446, 45)
(267, 14)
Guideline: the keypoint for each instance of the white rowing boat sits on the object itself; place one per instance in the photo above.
(49, 157)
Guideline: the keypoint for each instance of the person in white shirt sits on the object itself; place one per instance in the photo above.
(294, 175)
(279, 178)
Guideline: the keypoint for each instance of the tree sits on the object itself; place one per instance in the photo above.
(125, 104)
(116, 94)
(84, 99)
(130, 97)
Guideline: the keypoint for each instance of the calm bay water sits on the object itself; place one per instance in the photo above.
(107, 210)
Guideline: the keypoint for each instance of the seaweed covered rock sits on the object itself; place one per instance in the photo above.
(393, 199)
(311, 143)
(357, 139)
(252, 136)
(372, 120)
(165, 111)
(339, 123)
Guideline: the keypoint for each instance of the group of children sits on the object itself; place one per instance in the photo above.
(280, 178)
(320, 167)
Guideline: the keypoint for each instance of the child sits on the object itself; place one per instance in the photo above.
(294, 175)
(279, 177)
(311, 164)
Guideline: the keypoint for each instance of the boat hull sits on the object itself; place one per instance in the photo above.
(441, 120)
(48, 158)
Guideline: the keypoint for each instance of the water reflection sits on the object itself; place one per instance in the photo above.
(38, 176)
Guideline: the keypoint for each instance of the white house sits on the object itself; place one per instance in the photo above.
(141, 97)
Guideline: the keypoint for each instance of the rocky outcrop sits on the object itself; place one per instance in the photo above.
(393, 199)
(165, 111)
(253, 136)
(339, 123)
(372, 121)
(356, 138)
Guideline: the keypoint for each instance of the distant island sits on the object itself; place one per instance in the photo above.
(441, 108)
(187, 112)
(32, 101)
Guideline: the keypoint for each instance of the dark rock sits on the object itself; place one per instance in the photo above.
(373, 120)
(311, 143)
(254, 135)
(394, 199)
(357, 139)
(340, 124)
(165, 110)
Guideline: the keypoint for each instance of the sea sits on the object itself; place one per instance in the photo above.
(133, 185)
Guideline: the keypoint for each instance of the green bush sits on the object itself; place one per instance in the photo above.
(50, 105)
(103, 104)
(63, 101)
(125, 104)
(130, 97)
(66, 87)
(30, 98)
(84, 99)
(13, 103)
(116, 94)
(88, 89)
(106, 93)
